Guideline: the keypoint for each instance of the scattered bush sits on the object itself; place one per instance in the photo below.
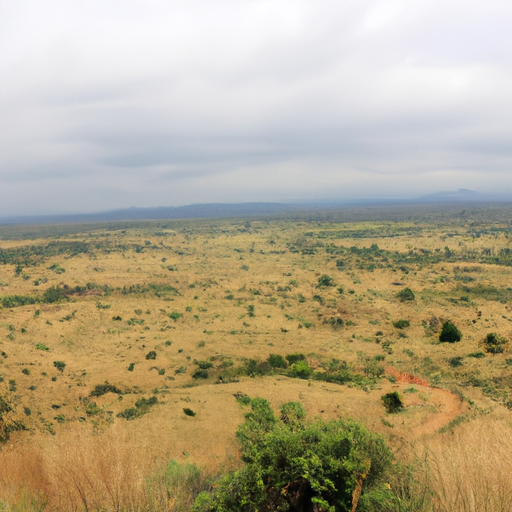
(405, 295)
(293, 358)
(200, 374)
(401, 324)
(325, 281)
(204, 365)
(455, 361)
(60, 365)
(449, 333)
(189, 412)
(300, 370)
(392, 402)
(151, 355)
(494, 343)
(103, 389)
(277, 361)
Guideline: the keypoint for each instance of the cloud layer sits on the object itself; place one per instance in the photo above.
(112, 104)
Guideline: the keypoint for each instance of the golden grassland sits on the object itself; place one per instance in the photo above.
(228, 291)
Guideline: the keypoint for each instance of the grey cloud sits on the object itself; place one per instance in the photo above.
(158, 103)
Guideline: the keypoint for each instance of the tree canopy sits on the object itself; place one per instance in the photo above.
(295, 465)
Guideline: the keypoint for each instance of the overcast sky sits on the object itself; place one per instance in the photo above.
(109, 104)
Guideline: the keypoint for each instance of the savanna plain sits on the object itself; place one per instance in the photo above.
(148, 366)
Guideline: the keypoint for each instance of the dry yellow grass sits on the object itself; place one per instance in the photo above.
(219, 269)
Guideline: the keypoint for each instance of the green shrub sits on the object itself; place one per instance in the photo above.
(188, 411)
(449, 333)
(204, 365)
(200, 374)
(300, 370)
(292, 464)
(12, 301)
(129, 414)
(151, 355)
(455, 362)
(494, 343)
(324, 281)
(293, 358)
(277, 361)
(54, 294)
(60, 365)
(401, 324)
(405, 295)
(392, 402)
(476, 355)
(175, 315)
(103, 389)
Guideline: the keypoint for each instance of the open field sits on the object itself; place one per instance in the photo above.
(140, 337)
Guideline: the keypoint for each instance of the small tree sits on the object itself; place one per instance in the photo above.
(449, 333)
(292, 464)
(324, 281)
(60, 365)
(392, 402)
(405, 295)
(494, 343)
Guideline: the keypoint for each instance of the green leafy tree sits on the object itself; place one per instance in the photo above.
(295, 465)
(449, 333)
(392, 402)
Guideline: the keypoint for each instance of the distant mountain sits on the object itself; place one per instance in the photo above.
(463, 194)
(193, 211)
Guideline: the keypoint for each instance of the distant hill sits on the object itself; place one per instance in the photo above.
(226, 210)
(463, 194)
(193, 211)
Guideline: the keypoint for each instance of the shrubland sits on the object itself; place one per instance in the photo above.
(130, 355)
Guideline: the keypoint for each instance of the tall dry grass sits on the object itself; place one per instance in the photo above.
(80, 471)
(469, 470)
(465, 471)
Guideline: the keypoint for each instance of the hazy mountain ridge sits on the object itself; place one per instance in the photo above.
(226, 210)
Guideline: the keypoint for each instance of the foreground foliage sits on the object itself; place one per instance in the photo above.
(295, 465)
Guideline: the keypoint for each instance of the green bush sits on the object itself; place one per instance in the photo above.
(151, 355)
(277, 361)
(204, 365)
(60, 365)
(405, 295)
(392, 402)
(449, 333)
(455, 362)
(293, 358)
(200, 374)
(103, 389)
(300, 370)
(188, 411)
(295, 465)
(324, 281)
(401, 324)
(54, 294)
(494, 343)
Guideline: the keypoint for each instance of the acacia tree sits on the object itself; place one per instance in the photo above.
(299, 466)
